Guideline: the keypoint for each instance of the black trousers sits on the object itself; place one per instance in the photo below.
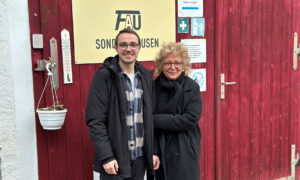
(137, 171)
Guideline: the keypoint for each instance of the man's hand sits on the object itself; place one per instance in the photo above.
(111, 167)
(156, 162)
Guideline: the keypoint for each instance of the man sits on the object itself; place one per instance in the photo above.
(119, 114)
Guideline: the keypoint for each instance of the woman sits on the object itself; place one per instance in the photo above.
(177, 110)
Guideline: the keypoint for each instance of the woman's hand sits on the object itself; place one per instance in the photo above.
(111, 167)
(156, 162)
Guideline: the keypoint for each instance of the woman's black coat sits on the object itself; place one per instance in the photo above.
(177, 131)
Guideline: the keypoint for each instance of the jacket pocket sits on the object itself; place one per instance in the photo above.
(194, 144)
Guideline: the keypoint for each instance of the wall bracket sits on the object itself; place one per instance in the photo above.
(41, 65)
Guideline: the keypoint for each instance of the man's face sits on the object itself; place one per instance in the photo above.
(128, 48)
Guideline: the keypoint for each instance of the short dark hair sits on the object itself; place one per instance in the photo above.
(127, 30)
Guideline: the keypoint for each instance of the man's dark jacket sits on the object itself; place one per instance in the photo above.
(106, 117)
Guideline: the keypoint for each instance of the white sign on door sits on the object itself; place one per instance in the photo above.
(190, 8)
(196, 49)
(199, 75)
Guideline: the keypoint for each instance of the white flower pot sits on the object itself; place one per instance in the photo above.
(52, 120)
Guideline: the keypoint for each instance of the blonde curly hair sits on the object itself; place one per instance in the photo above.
(175, 49)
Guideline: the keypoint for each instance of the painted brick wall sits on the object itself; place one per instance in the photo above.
(17, 121)
(8, 139)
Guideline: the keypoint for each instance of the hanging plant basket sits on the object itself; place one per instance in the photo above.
(53, 117)
(51, 120)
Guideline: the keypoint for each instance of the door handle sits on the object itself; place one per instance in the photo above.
(223, 83)
(296, 51)
(228, 83)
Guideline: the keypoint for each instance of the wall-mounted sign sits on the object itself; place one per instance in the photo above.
(96, 24)
(199, 75)
(190, 8)
(197, 27)
(183, 25)
(196, 49)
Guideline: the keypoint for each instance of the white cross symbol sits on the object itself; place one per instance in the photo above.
(182, 25)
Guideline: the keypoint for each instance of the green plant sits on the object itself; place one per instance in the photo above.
(51, 108)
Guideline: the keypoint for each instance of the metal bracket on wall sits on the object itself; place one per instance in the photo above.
(296, 51)
(41, 64)
(54, 57)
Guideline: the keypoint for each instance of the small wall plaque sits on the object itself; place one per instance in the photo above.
(37, 41)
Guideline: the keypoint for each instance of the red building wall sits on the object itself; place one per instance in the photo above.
(247, 135)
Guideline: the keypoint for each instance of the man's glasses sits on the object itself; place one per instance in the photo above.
(132, 46)
(176, 64)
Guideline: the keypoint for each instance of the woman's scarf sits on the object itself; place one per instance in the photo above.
(168, 94)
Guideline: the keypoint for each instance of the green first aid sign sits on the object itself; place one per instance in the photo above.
(183, 25)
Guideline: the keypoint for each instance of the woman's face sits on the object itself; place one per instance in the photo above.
(172, 66)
